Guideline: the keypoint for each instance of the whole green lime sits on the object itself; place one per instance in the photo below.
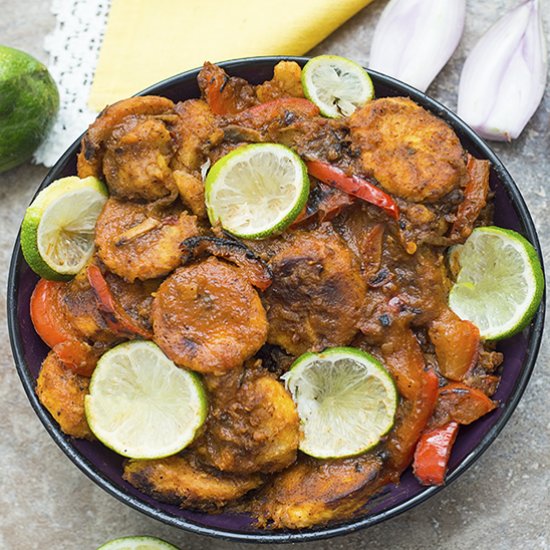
(29, 101)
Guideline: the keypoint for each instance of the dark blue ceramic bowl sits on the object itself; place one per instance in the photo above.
(105, 468)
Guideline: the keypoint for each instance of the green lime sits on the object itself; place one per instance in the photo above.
(336, 85)
(137, 543)
(346, 401)
(28, 104)
(57, 234)
(141, 405)
(500, 282)
(256, 190)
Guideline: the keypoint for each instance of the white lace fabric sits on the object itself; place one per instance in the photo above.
(73, 49)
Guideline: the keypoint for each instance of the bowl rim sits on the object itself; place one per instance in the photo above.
(319, 533)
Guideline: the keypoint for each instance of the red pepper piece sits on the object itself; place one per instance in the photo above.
(462, 404)
(475, 197)
(77, 356)
(417, 386)
(432, 454)
(404, 437)
(353, 185)
(324, 203)
(218, 103)
(46, 313)
(115, 316)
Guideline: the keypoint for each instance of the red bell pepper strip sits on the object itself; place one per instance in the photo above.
(324, 203)
(462, 404)
(52, 326)
(432, 454)
(353, 185)
(218, 103)
(115, 316)
(405, 435)
(77, 356)
(475, 197)
(418, 388)
(46, 314)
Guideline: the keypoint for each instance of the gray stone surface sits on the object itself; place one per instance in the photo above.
(503, 502)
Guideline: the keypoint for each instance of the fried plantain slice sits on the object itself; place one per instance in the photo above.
(62, 392)
(314, 492)
(137, 157)
(181, 480)
(412, 153)
(253, 425)
(91, 154)
(317, 293)
(207, 317)
(136, 242)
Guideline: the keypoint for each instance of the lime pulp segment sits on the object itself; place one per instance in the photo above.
(346, 401)
(66, 235)
(338, 86)
(141, 404)
(500, 283)
(256, 190)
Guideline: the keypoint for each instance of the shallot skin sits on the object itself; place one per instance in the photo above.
(414, 39)
(504, 76)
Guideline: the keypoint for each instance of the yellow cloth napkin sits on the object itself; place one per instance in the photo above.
(149, 40)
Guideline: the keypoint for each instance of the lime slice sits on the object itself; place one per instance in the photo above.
(257, 190)
(346, 401)
(500, 283)
(336, 85)
(141, 405)
(57, 234)
(137, 543)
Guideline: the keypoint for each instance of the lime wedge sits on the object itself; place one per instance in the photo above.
(257, 190)
(346, 401)
(57, 234)
(500, 282)
(336, 85)
(141, 405)
(137, 543)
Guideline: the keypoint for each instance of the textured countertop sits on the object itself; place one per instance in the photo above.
(502, 502)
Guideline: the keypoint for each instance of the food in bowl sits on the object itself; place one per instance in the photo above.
(356, 279)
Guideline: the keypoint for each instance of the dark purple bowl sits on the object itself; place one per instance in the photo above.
(105, 467)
